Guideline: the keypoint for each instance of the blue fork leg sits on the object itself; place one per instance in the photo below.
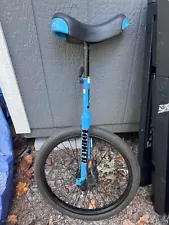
(86, 143)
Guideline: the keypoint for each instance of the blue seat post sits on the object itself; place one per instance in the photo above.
(85, 120)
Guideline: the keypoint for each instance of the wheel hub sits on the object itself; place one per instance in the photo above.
(92, 176)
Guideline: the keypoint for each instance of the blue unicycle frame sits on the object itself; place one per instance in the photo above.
(85, 154)
(61, 29)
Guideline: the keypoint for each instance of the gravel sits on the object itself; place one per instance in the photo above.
(31, 209)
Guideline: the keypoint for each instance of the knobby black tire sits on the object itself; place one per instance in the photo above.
(113, 139)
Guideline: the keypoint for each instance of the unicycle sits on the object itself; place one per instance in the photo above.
(87, 173)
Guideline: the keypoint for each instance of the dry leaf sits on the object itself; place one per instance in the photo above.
(143, 220)
(49, 162)
(26, 180)
(12, 219)
(21, 188)
(29, 174)
(28, 159)
(23, 167)
(92, 204)
(120, 159)
(127, 222)
(26, 163)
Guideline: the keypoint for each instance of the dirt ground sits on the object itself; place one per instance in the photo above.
(29, 208)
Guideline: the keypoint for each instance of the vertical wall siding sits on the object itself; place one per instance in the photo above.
(47, 69)
(61, 60)
(116, 64)
(19, 27)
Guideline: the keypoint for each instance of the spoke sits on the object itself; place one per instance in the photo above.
(106, 192)
(49, 172)
(64, 151)
(68, 154)
(100, 194)
(67, 167)
(65, 179)
(90, 202)
(72, 149)
(76, 144)
(77, 151)
(94, 197)
(73, 193)
(122, 167)
(103, 156)
(77, 199)
(122, 186)
(62, 185)
(118, 188)
(85, 199)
